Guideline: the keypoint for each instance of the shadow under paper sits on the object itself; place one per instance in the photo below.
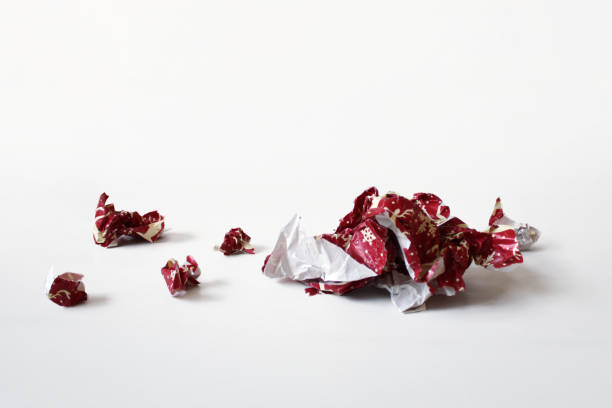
(482, 287)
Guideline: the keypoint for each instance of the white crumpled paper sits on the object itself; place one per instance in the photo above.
(299, 256)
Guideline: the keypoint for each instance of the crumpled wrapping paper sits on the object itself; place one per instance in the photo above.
(179, 278)
(526, 235)
(111, 224)
(410, 247)
(65, 289)
(236, 241)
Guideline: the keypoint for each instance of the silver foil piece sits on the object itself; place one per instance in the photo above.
(526, 235)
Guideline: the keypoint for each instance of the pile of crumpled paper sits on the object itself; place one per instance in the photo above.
(411, 247)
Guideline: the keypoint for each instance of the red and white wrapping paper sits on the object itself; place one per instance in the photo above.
(65, 289)
(526, 234)
(411, 247)
(111, 224)
(236, 241)
(181, 277)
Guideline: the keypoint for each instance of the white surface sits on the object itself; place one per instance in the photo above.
(244, 113)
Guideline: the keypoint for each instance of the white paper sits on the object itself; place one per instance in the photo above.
(406, 294)
(299, 256)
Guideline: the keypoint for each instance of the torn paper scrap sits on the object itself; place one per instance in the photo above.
(526, 234)
(181, 277)
(412, 248)
(65, 289)
(236, 241)
(111, 224)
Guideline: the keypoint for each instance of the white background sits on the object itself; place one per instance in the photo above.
(242, 113)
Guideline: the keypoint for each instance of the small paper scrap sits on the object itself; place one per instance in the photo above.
(410, 247)
(65, 289)
(526, 234)
(111, 224)
(181, 277)
(235, 241)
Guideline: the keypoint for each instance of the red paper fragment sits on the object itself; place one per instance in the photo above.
(411, 247)
(66, 289)
(180, 277)
(235, 241)
(111, 224)
(310, 291)
(526, 234)
(263, 267)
